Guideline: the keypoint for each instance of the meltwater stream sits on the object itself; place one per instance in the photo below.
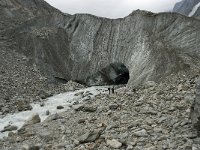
(64, 99)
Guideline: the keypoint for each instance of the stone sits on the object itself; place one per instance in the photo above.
(43, 94)
(149, 111)
(9, 128)
(61, 146)
(188, 147)
(150, 148)
(5, 110)
(47, 112)
(129, 147)
(90, 136)
(11, 134)
(89, 108)
(23, 106)
(141, 133)
(25, 147)
(75, 103)
(78, 107)
(149, 84)
(34, 147)
(60, 107)
(33, 120)
(113, 106)
(69, 147)
(68, 131)
(79, 94)
(114, 143)
(42, 104)
(81, 120)
(90, 146)
(194, 148)
(55, 116)
(86, 98)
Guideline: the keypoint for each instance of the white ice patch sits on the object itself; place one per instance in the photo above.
(194, 10)
(64, 99)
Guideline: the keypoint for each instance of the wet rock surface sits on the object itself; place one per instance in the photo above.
(151, 117)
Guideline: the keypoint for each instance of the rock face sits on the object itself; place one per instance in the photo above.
(78, 47)
(188, 7)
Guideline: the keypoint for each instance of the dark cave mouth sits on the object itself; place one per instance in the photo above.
(113, 74)
(122, 78)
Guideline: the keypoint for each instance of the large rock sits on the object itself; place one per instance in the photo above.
(35, 118)
(114, 143)
(9, 128)
(23, 106)
(195, 111)
(43, 94)
(90, 136)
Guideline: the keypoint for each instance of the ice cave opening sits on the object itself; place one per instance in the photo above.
(113, 74)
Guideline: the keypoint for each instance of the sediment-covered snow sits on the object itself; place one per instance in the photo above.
(64, 99)
(194, 10)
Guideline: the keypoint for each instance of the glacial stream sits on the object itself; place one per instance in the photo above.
(64, 99)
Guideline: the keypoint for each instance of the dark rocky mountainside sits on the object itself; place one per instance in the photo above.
(76, 47)
(20, 80)
(188, 7)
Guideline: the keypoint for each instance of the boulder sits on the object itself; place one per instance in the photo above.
(141, 133)
(113, 106)
(78, 107)
(60, 107)
(33, 120)
(9, 128)
(31, 147)
(90, 136)
(114, 143)
(23, 106)
(43, 94)
(89, 108)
